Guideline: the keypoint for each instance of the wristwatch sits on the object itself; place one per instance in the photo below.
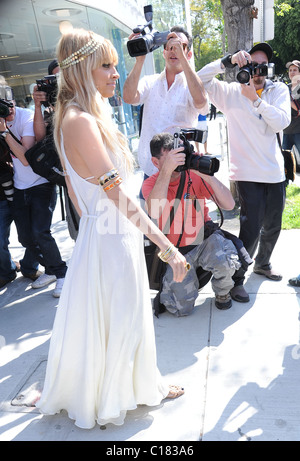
(4, 133)
(257, 102)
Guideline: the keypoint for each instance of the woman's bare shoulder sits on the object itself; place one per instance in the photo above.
(75, 119)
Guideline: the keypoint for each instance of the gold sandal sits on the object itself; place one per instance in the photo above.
(175, 391)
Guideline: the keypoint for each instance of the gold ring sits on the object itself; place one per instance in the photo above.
(187, 266)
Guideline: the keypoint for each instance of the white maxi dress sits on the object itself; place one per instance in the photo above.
(102, 356)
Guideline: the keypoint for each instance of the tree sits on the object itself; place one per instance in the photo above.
(238, 20)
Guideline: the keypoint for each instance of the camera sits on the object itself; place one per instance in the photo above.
(48, 84)
(150, 40)
(6, 98)
(204, 164)
(248, 71)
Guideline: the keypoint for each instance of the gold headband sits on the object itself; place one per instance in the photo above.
(81, 54)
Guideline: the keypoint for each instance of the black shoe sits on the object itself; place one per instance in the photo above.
(223, 302)
(239, 294)
(33, 276)
(4, 282)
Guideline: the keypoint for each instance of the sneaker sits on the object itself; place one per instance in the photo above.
(57, 291)
(43, 280)
(223, 302)
(239, 294)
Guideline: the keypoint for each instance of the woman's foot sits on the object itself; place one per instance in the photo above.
(175, 391)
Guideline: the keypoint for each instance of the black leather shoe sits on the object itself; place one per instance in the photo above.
(4, 282)
(33, 276)
(239, 294)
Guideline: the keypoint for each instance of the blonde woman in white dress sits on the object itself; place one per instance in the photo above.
(102, 357)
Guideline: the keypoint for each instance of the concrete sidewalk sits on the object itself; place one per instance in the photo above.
(240, 368)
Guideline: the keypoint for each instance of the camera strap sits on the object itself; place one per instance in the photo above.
(213, 199)
(177, 199)
(13, 136)
(216, 203)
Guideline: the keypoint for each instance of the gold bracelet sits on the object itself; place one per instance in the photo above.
(117, 182)
(168, 254)
(162, 254)
(109, 176)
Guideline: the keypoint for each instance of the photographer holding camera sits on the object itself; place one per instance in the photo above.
(42, 122)
(44, 94)
(191, 223)
(256, 108)
(33, 204)
(170, 99)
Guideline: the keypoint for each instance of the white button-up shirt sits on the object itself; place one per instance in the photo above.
(165, 110)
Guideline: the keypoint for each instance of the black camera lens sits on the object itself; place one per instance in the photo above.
(137, 47)
(205, 164)
(243, 76)
(4, 110)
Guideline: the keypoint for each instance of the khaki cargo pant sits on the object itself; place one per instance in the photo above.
(215, 254)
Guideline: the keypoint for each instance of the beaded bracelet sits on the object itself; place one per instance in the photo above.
(110, 186)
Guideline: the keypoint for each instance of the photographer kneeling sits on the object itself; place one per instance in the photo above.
(192, 229)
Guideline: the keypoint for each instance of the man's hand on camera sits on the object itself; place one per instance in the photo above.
(176, 45)
(241, 58)
(173, 159)
(2, 124)
(249, 91)
(132, 37)
(38, 96)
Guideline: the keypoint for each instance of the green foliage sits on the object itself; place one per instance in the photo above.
(286, 42)
(291, 214)
(208, 29)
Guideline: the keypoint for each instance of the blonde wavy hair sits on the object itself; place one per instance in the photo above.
(76, 85)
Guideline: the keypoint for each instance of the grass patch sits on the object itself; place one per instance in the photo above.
(291, 214)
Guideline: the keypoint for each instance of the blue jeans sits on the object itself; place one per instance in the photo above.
(32, 211)
(7, 266)
(289, 140)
